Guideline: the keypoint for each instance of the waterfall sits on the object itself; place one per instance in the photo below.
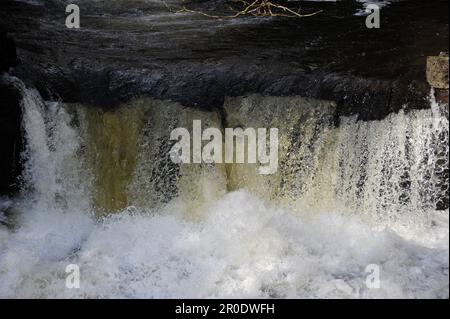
(384, 169)
(112, 159)
(99, 190)
(54, 178)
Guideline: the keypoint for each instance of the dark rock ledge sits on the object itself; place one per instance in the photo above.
(10, 119)
(141, 49)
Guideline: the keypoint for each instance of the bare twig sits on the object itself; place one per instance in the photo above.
(257, 8)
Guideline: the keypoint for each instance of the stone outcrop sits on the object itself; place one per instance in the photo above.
(437, 71)
(198, 61)
(437, 76)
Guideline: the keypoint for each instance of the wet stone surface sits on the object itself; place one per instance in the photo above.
(141, 48)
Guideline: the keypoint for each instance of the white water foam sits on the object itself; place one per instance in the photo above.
(242, 248)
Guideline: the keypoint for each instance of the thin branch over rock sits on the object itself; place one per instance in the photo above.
(257, 8)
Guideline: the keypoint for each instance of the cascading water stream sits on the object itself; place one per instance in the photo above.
(344, 197)
(388, 170)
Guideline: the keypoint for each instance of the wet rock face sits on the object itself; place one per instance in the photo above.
(10, 137)
(135, 48)
(8, 57)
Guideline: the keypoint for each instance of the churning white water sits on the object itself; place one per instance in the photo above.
(188, 232)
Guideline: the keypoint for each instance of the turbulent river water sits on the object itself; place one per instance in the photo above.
(100, 191)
